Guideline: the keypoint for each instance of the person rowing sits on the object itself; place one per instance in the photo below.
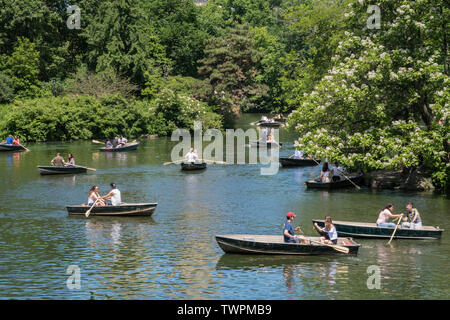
(415, 222)
(114, 195)
(288, 231)
(9, 140)
(191, 156)
(298, 154)
(115, 142)
(108, 144)
(58, 161)
(16, 141)
(331, 235)
(325, 175)
(385, 215)
(122, 141)
(94, 197)
(336, 171)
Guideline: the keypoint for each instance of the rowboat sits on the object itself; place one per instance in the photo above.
(371, 230)
(11, 147)
(343, 183)
(125, 210)
(126, 147)
(47, 170)
(270, 244)
(291, 162)
(191, 166)
(262, 123)
(260, 144)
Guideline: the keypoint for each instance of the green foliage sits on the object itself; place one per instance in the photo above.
(6, 88)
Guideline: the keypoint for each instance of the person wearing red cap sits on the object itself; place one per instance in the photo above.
(288, 231)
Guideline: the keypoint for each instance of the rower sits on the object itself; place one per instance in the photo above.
(415, 222)
(122, 141)
(94, 197)
(114, 195)
(298, 154)
(288, 231)
(16, 141)
(58, 161)
(385, 214)
(331, 235)
(115, 142)
(9, 140)
(108, 144)
(336, 171)
(191, 156)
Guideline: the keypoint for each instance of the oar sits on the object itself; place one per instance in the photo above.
(334, 246)
(214, 161)
(98, 142)
(357, 187)
(171, 162)
(89, 211)
(91, 169)
(396, 226)
(24, 147)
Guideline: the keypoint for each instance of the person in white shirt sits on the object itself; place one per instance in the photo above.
(336, 170)
(331, 236)
(191, 156)
(298, 154)
(114, 195)
(122, 141)
(325, 176)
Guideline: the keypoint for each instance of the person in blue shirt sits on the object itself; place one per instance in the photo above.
(9, 140)
(288, 230)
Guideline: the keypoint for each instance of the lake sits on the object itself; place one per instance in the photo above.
(174, 255)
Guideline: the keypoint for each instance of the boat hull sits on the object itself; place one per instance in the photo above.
(290, 162)
(269, 124)
(52, 170)
(123, 210)
(343, 183)
(275, 245)
(11, 147)
(371, 230)
(258, 144)
(193, 166)
(127, 147)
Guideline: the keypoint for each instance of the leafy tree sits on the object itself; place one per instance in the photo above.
(6, 88)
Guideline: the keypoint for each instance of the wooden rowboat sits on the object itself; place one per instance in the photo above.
(260, 144)
(268, 124)
(126, 147)
(11, 147)
(343, 183)
(291, 162)
(48, 170)
(125, 210)
(371, 230)
(191, 166)
(269, 244)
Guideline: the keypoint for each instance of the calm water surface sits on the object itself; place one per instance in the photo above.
(173, 255)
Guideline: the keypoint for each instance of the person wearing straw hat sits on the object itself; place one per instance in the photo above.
(288, 230)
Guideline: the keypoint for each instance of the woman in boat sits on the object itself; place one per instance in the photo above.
(415, 222)
(385, 215)
(94, 197)
(325, 175)
(298, 154)
(114, 195)
(16, 141)
(190, 156)
(288, 231)
(331, 235)
(108, 144)
(70, 160)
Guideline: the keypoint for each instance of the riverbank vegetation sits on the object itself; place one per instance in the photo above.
(372, 97)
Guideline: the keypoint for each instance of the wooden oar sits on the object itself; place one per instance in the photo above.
(91, 169)
(24, 147)
(90, 209)
(334, 246)
(98, 142)
(357, 187)
(171, 162)
(214, 161)
(396, 226)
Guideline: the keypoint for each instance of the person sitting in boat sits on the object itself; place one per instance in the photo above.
(288, 231)
(16, 141)
(9, 140)
(196, 157)
(191, 156)
(58, 161)
(415, 222)
(264, 118)
(336, 171)
(70, 160)
(330, 232)
(94, 197)
(122, 141)
(114, 195)
(325, 175)
(115, 142)
(108, 144)
(298, 154)
(385, 215)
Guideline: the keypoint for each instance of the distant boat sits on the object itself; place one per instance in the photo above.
(126, 147)
(343, 183)
(371, 230)
(125, 209)
(191, 166)
(11, 147)
(260, 144)
(51, 170)
(275, 245)
(291, 162)
(263, 123)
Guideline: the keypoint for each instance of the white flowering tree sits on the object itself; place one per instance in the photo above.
(384, 102)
